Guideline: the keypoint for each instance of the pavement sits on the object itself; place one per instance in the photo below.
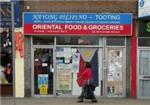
(73, 101)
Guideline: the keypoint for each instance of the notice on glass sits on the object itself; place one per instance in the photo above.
(64, 79)
(43, 83)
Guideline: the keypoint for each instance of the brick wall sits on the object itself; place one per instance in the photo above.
(125, 6)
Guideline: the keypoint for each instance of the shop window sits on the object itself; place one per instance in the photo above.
(80, 40)
(6, 75)
(144, 88)
(64, 70)
(70, 64)
(6, 57)
(43, 40)
(144, 42)
(115, 41)
(144, 62)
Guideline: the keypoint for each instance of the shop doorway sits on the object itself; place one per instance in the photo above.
(144, 73)
(43, 71)
(114, 69)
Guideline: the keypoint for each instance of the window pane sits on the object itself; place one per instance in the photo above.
(6, 69)
(64, 57)
(43, 40)
(144, 63)
(144, 88)
(67, 40)
(115, 41)
(143, 42)
(115, 72)
(101, 41)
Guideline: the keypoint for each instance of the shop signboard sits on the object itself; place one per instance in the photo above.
(109, 24)
(144, 28)
(5, 14)
(143, 8)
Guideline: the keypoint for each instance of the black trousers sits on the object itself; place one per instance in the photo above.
(87, 92)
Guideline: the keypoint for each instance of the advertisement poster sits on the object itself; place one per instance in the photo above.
(43, 83)
(64, 80)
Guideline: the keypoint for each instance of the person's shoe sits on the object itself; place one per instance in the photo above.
(80, 100)
(94, 101)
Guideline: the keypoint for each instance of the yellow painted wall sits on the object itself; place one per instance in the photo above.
(19, 74)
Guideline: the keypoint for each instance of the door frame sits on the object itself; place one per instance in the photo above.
(105, 69)
(139, 77)
(32, 69)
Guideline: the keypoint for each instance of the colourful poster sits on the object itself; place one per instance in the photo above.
(43, 83)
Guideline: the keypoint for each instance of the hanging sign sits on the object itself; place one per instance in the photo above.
(143, 8)
(36, 23)
(5, 14)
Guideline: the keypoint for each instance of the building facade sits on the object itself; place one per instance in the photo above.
(56, 57)
(58, 37)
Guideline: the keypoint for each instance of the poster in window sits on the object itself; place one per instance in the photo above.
(64, 80)
(43, 83)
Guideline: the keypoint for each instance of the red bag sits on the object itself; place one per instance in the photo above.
(80, 79)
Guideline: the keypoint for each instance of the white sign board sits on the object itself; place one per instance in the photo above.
(143, 8)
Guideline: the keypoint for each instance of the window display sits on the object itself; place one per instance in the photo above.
(115, 72)
(6, 76)
(70, 61)
(6, 57)
(64, 70)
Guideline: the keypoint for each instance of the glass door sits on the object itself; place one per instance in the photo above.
(43, 71)
(115, 72)
(144, 73)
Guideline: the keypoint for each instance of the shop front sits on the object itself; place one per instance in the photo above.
(144, 58)
(61, 43)
(143, 74)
